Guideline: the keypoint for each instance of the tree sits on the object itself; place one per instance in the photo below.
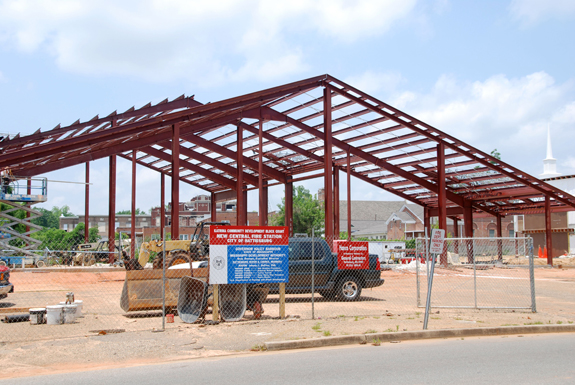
(51, 218)
(138, 212)
(308, 212)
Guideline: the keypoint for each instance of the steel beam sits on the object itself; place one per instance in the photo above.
(87, 205)
(133, 216)
(112, 209)
(162, 206)
(499, 241)
(240, 218)
(336, 215)
(348, 198)
(441, 196)
(548, 231)
(262, 212)
(175, 214)
(213, 208)
(328, 164)
(468, 224)
(289, 207)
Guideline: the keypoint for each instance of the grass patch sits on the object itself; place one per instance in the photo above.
(559, 322)
(510, 325)
(569, 322)
(376, 342)
(389, 330)
(317, 326)
(376, 317)
(326, 333)
(370, 331)
(435, 317)
(410, 318)
(258, 348)
(533, 323)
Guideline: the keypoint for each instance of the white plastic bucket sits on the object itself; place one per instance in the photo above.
(37, 316)
(70, 313)
(54, 315)
(80, 305)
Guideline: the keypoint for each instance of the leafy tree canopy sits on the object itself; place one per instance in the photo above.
(138, 212)
(308, 212)
(51, 218)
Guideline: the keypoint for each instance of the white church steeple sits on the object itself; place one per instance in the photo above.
(549, 163)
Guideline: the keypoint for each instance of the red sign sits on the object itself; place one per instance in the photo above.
(351, 255)
(249, 235)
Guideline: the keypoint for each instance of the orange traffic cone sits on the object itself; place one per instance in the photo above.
(540, 253)
(545, 252)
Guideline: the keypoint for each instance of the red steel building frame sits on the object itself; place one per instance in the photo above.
(289, 133)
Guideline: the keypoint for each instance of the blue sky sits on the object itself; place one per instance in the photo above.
(493, 73)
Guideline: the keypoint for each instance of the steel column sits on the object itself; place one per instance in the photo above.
(133, 216)
(265, 207)
(348, 198)
(112, 209)
(548, 231)
(162, 206)
(213, 208)
(240, 209)
(499, 241)
(29, 192)
(468, 224)
(175, 214)
(87, 205)
(441, 196)
(328, 164)
(289, 207)
(426, 220)
(456, 233)
(262, 209)
(336, 202)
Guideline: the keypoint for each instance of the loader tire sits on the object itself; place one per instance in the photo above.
(178, 259)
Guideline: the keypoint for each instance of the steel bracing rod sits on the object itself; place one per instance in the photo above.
(376, 161)
(178, 103)
(173, 118)
(220, 179)
(224, 167)
(450, 142)
(160, 136)
(167, 173)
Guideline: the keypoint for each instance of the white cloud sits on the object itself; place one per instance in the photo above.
(194, 40)
(530, 12)
(510, 114)
(371, 81)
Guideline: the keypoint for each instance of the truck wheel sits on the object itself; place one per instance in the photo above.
(349, 289)
(40, 264)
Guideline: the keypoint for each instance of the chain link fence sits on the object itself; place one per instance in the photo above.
(478, 273)
(266, 276)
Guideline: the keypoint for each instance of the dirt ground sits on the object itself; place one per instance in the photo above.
(132, 338)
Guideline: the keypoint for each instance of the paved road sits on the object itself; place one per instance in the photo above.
(545, 359)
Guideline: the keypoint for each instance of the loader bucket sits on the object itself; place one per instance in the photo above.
(143, 288)
(232, 300)
(192, 299)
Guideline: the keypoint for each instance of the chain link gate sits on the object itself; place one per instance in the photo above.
(479, 273)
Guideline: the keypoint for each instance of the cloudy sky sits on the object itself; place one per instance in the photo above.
(494, 73)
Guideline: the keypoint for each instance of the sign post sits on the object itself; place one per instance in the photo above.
(435, 247)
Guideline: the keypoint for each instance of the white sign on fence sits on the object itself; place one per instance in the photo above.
(437, 239)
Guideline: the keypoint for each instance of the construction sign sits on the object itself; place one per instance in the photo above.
(351, 255)
(437, 240)
(248, 254)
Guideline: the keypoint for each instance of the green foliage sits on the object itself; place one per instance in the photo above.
(56, 239)
(51, 218)
(496, 154)
(308, 212)
(138, 212)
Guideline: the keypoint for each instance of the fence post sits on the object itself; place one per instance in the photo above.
(532, 277)
(312, 273)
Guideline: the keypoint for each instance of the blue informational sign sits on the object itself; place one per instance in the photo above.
(258, 264)
(248, 254)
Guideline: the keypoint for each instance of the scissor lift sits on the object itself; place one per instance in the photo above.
(20, 194)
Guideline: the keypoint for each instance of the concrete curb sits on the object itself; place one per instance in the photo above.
(418, 335)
